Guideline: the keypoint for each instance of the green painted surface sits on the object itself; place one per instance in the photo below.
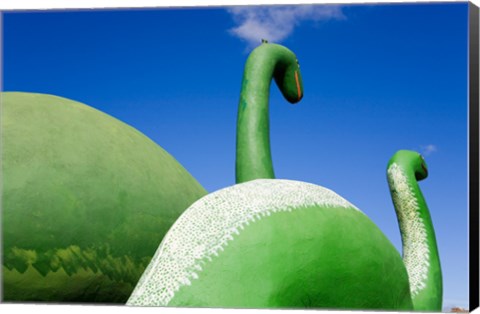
(414, 166)
(311, 257)
(266, 62)
(254, 158)
(86, 200)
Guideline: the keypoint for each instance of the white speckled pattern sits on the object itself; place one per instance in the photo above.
(209, 224)
(414, 235)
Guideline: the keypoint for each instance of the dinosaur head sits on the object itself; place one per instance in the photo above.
(411, 160)
(286, 70)
(289, 80)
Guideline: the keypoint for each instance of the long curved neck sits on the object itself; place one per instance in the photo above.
(253, 160)
(420, 253)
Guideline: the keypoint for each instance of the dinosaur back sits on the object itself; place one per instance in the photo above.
(86, 200)
(275, 243)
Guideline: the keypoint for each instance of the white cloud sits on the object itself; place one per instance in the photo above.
(275, 23)
(429, 149)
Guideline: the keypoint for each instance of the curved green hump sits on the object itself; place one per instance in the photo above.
(266, 62)
(86, 200)
(275, 243)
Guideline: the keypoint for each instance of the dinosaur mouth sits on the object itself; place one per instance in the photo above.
(425, 169)
(299, 90)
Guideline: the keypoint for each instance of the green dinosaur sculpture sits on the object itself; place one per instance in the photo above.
(86, 199)
(269, 243)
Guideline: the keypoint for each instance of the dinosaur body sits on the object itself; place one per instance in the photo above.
(270, 243)
(86, 201)
(275, 243)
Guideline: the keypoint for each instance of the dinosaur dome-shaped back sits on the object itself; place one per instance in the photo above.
(86, 200)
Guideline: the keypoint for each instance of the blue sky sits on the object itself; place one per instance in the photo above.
(377, 78)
